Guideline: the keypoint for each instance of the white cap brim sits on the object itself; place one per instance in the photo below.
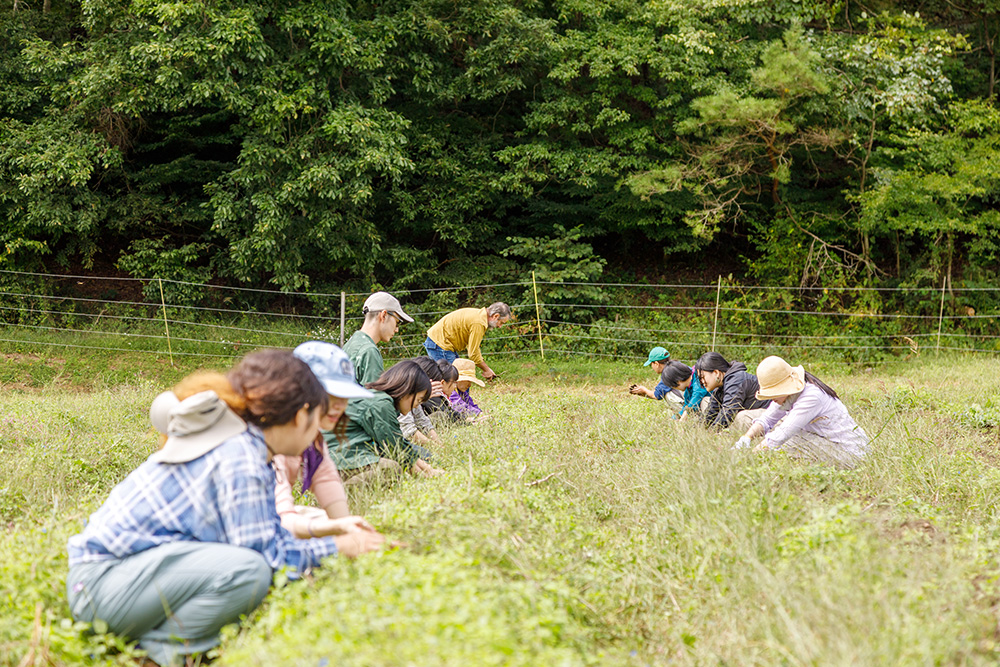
(342, 389)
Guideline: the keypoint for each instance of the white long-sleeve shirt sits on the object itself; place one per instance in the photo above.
(415, 420)
(812, 411)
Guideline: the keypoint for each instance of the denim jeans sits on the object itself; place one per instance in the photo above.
(435, 352)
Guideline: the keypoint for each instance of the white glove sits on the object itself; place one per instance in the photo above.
(742, 443)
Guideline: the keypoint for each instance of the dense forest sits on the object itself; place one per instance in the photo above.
(312, 145)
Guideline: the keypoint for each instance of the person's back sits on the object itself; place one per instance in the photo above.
(110, 533)
(372, 432)
(454, 330)
(364, 354)
(463, 329)
(737, 394)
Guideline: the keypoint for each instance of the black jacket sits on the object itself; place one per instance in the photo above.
(738, 392)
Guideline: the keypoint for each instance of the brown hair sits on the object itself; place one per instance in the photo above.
(275, 384)
(339, 429)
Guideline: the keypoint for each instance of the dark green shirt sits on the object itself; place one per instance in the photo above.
(372, 433)
(364, 354)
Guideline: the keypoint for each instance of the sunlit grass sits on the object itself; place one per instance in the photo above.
(583, 525)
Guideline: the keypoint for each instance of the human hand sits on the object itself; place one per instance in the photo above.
(488, 374)
(436, 388)
(350, 524)
(638, 390)
(322, 527)
(354, 544)
(742, 443)
(761, 448)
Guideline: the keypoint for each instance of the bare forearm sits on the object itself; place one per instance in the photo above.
(337, 509)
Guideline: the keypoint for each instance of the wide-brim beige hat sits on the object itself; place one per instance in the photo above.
(194, 426)
(467, 371)
(778, 378)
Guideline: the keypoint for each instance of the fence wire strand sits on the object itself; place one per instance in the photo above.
(593, 334)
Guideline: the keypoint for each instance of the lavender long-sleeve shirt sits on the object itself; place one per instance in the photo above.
(812, 411)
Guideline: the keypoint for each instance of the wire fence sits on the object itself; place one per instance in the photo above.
(601, 320)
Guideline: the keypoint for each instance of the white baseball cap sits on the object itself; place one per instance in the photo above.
(384, 301)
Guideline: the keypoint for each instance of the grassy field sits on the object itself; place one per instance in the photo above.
(580, 526)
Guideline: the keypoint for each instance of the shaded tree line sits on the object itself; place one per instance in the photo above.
(311, 145)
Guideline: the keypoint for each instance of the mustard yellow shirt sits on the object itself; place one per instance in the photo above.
(462, 329)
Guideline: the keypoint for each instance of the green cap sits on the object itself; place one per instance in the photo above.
(657, 354)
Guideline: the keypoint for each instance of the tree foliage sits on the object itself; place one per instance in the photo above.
(307, 144)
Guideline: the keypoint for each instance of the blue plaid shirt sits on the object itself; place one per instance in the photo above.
(225, 496)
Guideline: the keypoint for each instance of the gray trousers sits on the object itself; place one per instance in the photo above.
(174, 598)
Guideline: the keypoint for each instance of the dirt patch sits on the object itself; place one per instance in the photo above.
(921, 529)
(50, 361)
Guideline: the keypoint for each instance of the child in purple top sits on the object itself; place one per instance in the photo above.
(461, 398)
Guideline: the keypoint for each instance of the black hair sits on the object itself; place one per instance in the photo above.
(674, 373)
(712, 361)
(429, 366)
(403, 379)
(812, 379)
(448, 371)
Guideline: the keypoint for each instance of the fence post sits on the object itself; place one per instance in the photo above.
(940, 318)
(163, 304)
(538, 316)
(343, 316)
(715, 324)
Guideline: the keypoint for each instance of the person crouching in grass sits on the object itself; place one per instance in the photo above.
(658, 358)
(438, 406)
(316, 469)
(417, 426)
(189, 541)
(682, 378)
(461, 398)
(805, 419)
(376, 450)
(732, 389)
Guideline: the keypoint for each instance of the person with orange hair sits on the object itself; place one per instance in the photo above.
(189, 541)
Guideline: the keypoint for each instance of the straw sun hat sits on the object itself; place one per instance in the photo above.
(777, 378)
(467, 371)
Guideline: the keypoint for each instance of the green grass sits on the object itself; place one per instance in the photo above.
(580, 526)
